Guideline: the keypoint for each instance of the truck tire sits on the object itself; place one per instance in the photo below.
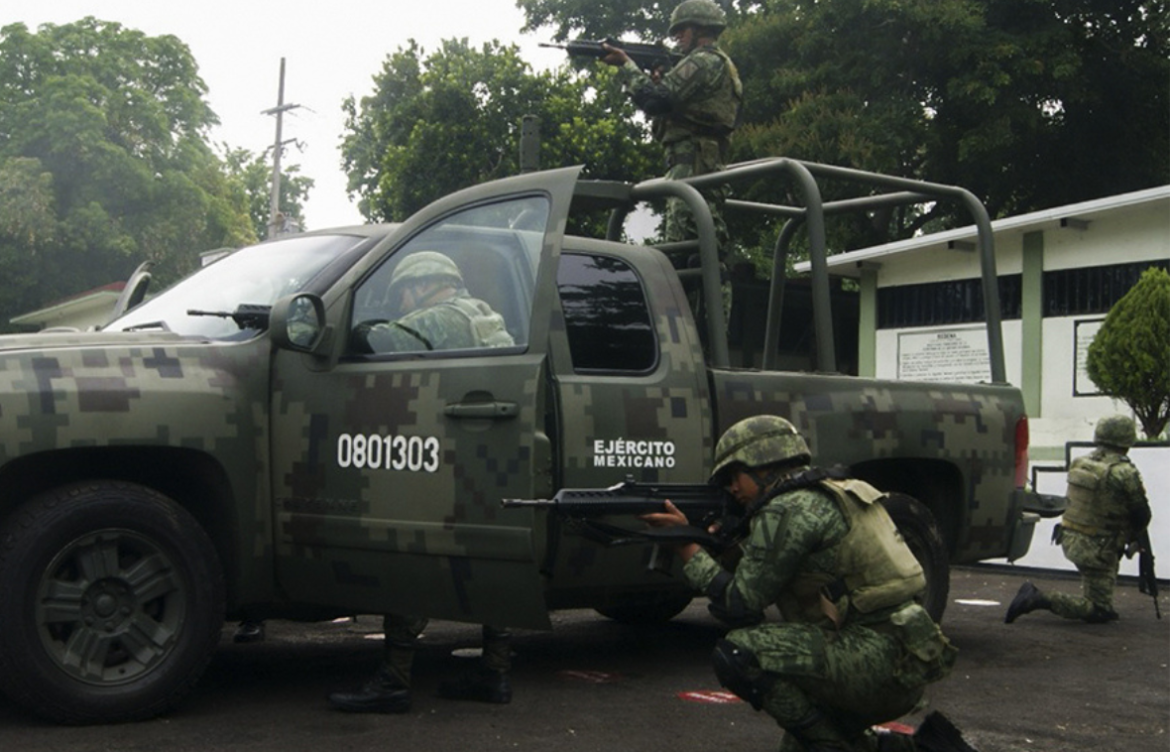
(647, 609)
(921, 533)
(111, 603)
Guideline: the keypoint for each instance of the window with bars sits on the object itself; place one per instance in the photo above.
(1093, 289)
(956, 301)
(1067, 292)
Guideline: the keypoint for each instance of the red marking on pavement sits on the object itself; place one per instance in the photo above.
(896, 728)
(709, 696)
(593, 677)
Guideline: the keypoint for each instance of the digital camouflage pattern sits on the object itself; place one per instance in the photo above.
(459, 322)
(852, 668)
(703, 13)
(694, 109)
(332, 482)
(879, 426)
(759, 440)
(1107, 509)
(1116, 430)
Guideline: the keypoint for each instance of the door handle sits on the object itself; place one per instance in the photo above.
(482, 410)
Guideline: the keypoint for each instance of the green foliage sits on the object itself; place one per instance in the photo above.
(1029, 104)
(1130, 356)
(251, 184)
(437, 123)
(103, 161)
(594, 20)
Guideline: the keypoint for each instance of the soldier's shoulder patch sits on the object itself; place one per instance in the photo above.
(687, 68)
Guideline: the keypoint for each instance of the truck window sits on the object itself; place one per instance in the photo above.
(464, 283)
(606, 316)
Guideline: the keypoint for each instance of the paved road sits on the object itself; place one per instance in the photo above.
(1040, 685)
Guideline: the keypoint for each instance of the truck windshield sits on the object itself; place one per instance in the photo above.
(253, 277)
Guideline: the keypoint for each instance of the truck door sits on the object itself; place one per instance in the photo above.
(632, 402)
(629, 370)
(389, 464)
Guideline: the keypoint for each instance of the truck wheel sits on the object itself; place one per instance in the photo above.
(922, 535)
(111, 603)
(647, 610)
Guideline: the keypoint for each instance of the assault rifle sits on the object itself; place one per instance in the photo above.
(1147, 580)
(648, 57)
(704, 505)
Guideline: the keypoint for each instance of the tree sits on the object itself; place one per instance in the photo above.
(1130, 357)
(104, 161)
(1027, 103)
(254, 175)
(437, 123)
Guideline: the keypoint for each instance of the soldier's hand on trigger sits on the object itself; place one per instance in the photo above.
(669, 517)
(616, 56)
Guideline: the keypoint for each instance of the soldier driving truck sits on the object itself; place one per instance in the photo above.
(435, 312)
(227, 450)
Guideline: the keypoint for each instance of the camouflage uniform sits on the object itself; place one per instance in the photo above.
(1096, 528)
(1107, 509)
(694, 109)
(402, 633)
(854, 648)
(458, 321)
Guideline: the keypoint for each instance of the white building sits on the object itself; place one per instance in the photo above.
(1060, 271)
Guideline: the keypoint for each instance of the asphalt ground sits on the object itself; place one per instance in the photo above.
(1042, 684)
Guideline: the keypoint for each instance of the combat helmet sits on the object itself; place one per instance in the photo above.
(424, 265)
(756, 441)
(1116, 430)
(702, 13)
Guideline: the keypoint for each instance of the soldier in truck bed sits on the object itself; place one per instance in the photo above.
(694, 107)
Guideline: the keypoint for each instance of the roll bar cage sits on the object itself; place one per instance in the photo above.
(881, 191)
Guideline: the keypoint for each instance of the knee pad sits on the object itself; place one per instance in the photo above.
(739, 670)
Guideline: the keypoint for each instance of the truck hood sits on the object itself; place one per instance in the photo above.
(68, 340)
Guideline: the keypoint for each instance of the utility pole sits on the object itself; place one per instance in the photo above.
(275, 221)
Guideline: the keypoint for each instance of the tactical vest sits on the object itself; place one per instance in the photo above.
(486, 325)
(712, 116)
(1092, 509)
(875, 569)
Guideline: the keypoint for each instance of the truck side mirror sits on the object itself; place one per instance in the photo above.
(297, 322)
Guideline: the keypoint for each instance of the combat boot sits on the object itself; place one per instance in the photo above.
(938, 734)
(381, 694)
(249, 631)
(1027, 600)
(479, 684)
(817, 734)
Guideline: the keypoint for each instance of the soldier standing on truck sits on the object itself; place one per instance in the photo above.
(694, 108)
(854, 648)
(1107, 510)
(436, 312)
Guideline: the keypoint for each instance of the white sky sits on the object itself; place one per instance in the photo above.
(332, 49)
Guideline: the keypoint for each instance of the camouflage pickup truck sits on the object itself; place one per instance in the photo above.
(225, 449)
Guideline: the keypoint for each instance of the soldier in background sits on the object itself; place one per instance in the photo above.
(694, 107)
(436, 313)
(854, 649)
(1107, 510)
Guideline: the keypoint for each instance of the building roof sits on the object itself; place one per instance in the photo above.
(1074, 215)
(73, 306)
